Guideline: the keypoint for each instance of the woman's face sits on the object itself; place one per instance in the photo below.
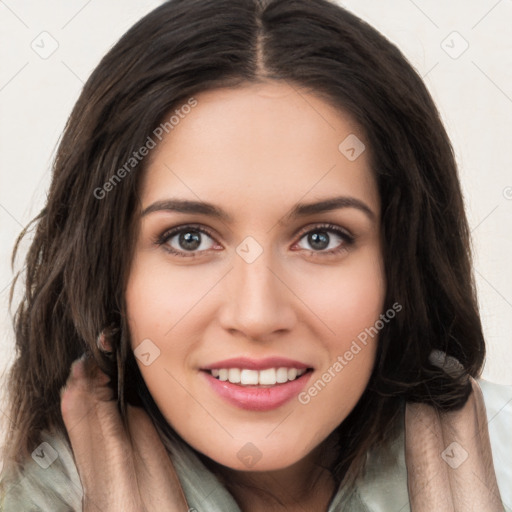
(249, 267)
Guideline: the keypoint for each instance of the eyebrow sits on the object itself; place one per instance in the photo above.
(299, 210)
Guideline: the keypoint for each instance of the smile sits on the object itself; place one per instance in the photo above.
(267, 377)
(257, 384)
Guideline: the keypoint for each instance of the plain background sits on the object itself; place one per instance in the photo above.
(463, 49)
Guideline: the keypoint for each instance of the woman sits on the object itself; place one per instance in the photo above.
(255, 238)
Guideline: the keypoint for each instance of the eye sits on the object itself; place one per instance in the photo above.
(186, 241)
(191, 240)
(326, 239)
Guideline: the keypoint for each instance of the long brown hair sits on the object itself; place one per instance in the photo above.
(79, 259)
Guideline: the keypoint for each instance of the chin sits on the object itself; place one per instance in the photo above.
(253, 461)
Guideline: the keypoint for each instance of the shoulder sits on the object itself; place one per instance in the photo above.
(498, 407)
(48, 482)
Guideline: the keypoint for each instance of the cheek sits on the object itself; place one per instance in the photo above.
(158, 298)
(347, 299)
(145, 303)
(154, 311)
(350, 307)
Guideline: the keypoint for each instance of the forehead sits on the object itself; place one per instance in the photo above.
(260, 145)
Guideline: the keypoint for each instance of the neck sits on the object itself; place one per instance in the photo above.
(306, 485)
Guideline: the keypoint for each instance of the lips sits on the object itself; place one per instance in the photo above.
(257, 385)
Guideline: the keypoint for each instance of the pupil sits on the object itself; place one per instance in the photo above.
(190, 240)
(319, 240)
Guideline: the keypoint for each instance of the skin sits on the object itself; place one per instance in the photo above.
(256, 151)
(120, 469)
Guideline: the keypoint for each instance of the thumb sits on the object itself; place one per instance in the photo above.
(85, 379)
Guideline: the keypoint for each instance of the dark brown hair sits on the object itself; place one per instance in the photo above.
(79, 259)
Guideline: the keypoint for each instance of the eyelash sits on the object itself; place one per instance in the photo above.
(348, 240)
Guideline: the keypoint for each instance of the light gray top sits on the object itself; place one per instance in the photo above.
(383, 488)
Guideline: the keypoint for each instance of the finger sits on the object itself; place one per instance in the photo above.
(86, 377)
(158, 480)
(449, 458)
(103, 343)
(427, 474)
(100, 444)
(471, 473)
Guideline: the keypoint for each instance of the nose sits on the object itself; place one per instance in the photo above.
(259, 303)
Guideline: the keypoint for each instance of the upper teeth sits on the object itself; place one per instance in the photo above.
(245, 377)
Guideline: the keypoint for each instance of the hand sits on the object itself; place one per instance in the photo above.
(121, 470)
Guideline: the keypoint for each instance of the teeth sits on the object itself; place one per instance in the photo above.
(234, 375)
(248, 377)
(267, 377)
(292, 373)
(282, 375)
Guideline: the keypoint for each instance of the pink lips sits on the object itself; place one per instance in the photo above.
(257, 398)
